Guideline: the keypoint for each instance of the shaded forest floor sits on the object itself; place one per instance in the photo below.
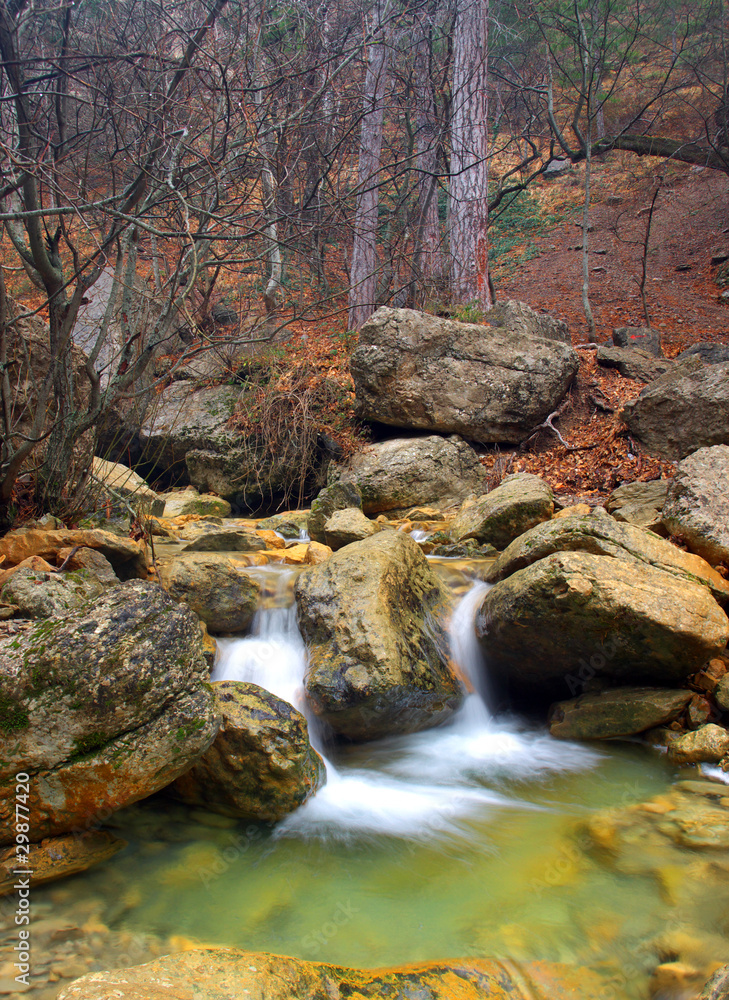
(690, 225)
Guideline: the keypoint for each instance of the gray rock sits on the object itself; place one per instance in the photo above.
(517, 504)
(489, 383)
(574, 617)
(217, 590)
(184, 417)
(101, 707)
(642, 337)
(618, 712)
(261, 765)
(396, 475)
(371, 618)
(633, 362)
(41, 595)
(697, 503)
(640, 504)
(710, 353)
(336, 496)
(347, 526)
(685, 409)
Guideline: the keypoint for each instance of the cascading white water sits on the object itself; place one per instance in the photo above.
(421, 786)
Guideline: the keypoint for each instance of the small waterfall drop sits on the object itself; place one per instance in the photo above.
(421, 786)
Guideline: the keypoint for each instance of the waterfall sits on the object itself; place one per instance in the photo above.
(421, 786)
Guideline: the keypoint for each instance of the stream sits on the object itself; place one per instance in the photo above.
(484, 837)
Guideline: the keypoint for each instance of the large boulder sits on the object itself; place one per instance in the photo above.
(697, 503)
(709, 352)
(183, 417)
(397, 474)
(685, 409)
(101, 707)
(378, 654)
(261, 765)
(621, 711)
(180, 502)
(517, 504)
(601, 535)
(708, 745)
(574, 617)
(128, 557)
(229, 974)
(217, 590)
(488, 383)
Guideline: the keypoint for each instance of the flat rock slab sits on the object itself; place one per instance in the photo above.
(618, 712)
(633, 363)
(230, 974)
(488, 383)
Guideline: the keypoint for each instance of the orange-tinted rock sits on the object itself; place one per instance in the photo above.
(58, 857)
(230, 974)
(126, 556)
(35, 563)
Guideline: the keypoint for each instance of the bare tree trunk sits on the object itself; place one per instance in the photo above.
(428, 261)
(469, 166)
(363, 267)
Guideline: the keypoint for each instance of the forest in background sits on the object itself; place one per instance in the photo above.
(227, 171)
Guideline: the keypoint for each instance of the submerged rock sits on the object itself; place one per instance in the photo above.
(101, 708)
(520, 502)
(371, 617)
(490, 382)
(261, 765)
(402, 472)
(229, 974)
(619, 712)
(58, 857)
(572, 617)
(217, 590)
(697, 503)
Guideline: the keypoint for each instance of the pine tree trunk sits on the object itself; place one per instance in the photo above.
(428, 263)
(469, 167)
(363, 267)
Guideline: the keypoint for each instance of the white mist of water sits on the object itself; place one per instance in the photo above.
(423, 786)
